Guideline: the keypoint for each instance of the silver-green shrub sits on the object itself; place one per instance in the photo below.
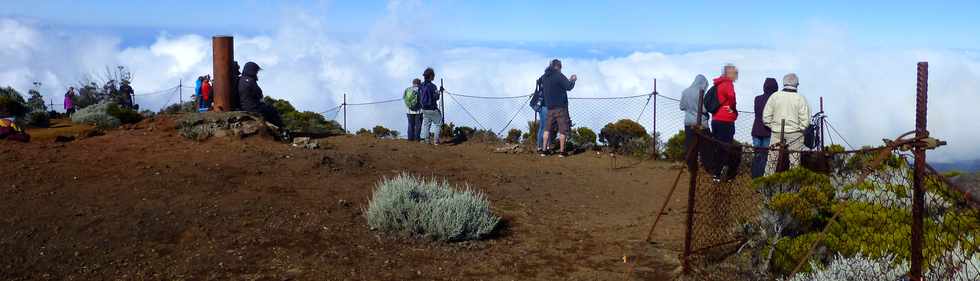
(856, 268)
(97, 115)
(428, 208)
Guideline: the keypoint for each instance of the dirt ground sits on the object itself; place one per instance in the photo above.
(143, 203)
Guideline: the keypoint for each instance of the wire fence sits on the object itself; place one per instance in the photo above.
(655, 112)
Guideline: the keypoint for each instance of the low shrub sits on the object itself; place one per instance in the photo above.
(426, 208)
(96, 115)
(363, 132)
(186, 107)
(484, 136)
(857, 267)
(12, 103)
(447, 131)
(38, 119)
(674, 149)
(311, 122)
(125, 115)
(514, 136)
(628, 137)
(582, 136)
(384, 133)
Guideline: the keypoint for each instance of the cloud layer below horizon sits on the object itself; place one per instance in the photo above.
(869, 94)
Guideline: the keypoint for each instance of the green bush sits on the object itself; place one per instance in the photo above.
(514, 136)
(364, 132)
(186, 107)
(125, 115)
(12, 103)
(532, 133)
(311, 122)
(628, 137)
(447, 131)
(675, 150)
(38, 119)
(427, 208)
(582, 136)
(283, 106)
(96, 115)
(383, 133)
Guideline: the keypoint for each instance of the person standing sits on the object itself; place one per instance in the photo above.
(70, 101)
(411, 98)
(206, 95)
(556, 87)
(761, 134)
(790, 108)
(429, 97)
(690, 101)
(538, 105)
(723, 124)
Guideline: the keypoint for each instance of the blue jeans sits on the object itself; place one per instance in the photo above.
(761, 156)
(430, 118)
(542, 115)
(414, 127)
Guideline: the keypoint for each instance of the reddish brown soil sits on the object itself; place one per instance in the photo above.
(146, 204)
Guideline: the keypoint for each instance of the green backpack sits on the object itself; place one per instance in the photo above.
(411, 98)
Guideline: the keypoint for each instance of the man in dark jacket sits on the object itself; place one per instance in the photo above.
(429, 98)
(251, 95)
(556, 86)
(760, 133)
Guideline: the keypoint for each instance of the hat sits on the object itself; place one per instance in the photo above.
(790, 81)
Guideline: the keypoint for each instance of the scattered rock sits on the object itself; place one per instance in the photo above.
(510, 148)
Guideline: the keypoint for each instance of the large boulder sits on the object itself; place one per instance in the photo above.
(236, 124)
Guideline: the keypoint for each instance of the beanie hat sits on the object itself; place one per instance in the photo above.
(790, 81)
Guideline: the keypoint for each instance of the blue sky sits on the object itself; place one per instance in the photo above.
(937, 24)
(859, 55)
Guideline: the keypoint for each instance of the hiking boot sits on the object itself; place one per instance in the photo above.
(562, 154)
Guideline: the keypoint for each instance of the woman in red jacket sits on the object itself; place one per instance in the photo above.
(723, 124)
(205, 94)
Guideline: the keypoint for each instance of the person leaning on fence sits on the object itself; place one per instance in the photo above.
(761, 134)
(251, 95)
(556, 87)
(411, 98)
(69, 101)
(789, 107)
(429, 97)
(690, 99)
(723, 125)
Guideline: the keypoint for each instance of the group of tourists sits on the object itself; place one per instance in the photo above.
(422, 101)
(780, 114)
(202, 93)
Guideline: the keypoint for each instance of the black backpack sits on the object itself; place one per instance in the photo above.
(711, 102)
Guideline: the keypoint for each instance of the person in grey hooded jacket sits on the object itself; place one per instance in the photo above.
(690, 99)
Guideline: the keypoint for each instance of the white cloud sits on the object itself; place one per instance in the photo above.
(869, 94)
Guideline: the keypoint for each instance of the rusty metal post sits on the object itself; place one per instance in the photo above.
(442, 101)
(918, 192)
(345, 113)
(654, 111)
(692, 168)
(224, 51)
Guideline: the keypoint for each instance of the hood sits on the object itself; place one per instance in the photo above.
(700, 83)
(770, 86)
(550, 71)
(251, 69)
(722, 79)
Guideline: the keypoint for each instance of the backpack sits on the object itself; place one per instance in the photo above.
(711, 102)
(537, 99)
(411, 98)
(810, 136)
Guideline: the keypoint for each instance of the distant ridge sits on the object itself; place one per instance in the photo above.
(961, 166)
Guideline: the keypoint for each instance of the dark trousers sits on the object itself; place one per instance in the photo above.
(725, 157)
(271, 115)
(703, 147)
(414, 127)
